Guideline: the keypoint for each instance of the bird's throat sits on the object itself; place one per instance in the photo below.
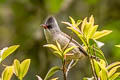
(48, 35)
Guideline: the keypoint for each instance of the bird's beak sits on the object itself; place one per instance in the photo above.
(44, 26)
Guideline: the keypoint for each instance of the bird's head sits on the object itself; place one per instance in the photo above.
(51, 24)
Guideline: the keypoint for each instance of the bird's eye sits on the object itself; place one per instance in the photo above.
(49, 26)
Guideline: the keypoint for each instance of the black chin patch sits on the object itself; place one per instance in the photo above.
(49, 27)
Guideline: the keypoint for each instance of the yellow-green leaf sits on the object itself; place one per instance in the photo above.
(16, 65)
(83, 24)
(91, 20)
(85, 78)
(54, 79)
(86, 29)
(72, 20)
(113, 65)
(114, 76)
(51, 46)
(97, 68)
(103, 74)
(59, 47)
(7, 73)
(92, 31)
(67, 23)
(24, 66)
(9, 51)
(100, 54)
(100, 34)
(78, 22)
(113, 70)
(69, 49)
(57, 53)
(75, 30)
(103, 63)
(52, 71)
(117, 46)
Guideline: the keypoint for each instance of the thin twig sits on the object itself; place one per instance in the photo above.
(92, 67)
(64, 70)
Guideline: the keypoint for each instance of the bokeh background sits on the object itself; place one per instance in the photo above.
(20, 24)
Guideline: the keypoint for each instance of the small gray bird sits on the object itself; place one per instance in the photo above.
(52, 33)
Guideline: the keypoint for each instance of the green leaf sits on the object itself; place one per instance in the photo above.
(97, 68)
(58, 46)
(92, 31)
(113, 70)
(103, 74)
(114, 76)
(100, 54)
(100, 34)
(117, 46)
(16, 65)
(52, 71)
(72, 20)
(78, 22)
(87, 29)
(55, 48)
(75, 30)
(9, 51)
(24, 66)
(54, 79)
(69, 49)
(51, 46)
(102, 62)
(91, 20)
(57, 53)
(7, 73)
(83, 24)
(113, 65)
(88, 78)
(67, 23)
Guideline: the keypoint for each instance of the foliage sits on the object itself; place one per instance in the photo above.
(20, 70)
(89, 31)
(7, 73)
(52, 71)
(105, 72)
(61, 52)
(7, 51)
(89, 35)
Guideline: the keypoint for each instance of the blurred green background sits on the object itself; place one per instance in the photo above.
(20, 24)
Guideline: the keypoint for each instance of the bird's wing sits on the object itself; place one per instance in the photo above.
(74, 41)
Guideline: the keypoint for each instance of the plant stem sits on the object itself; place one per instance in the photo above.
(64, 70)
(92, 68)
(92, 65)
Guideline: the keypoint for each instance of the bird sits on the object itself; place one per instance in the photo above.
(53, 33)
